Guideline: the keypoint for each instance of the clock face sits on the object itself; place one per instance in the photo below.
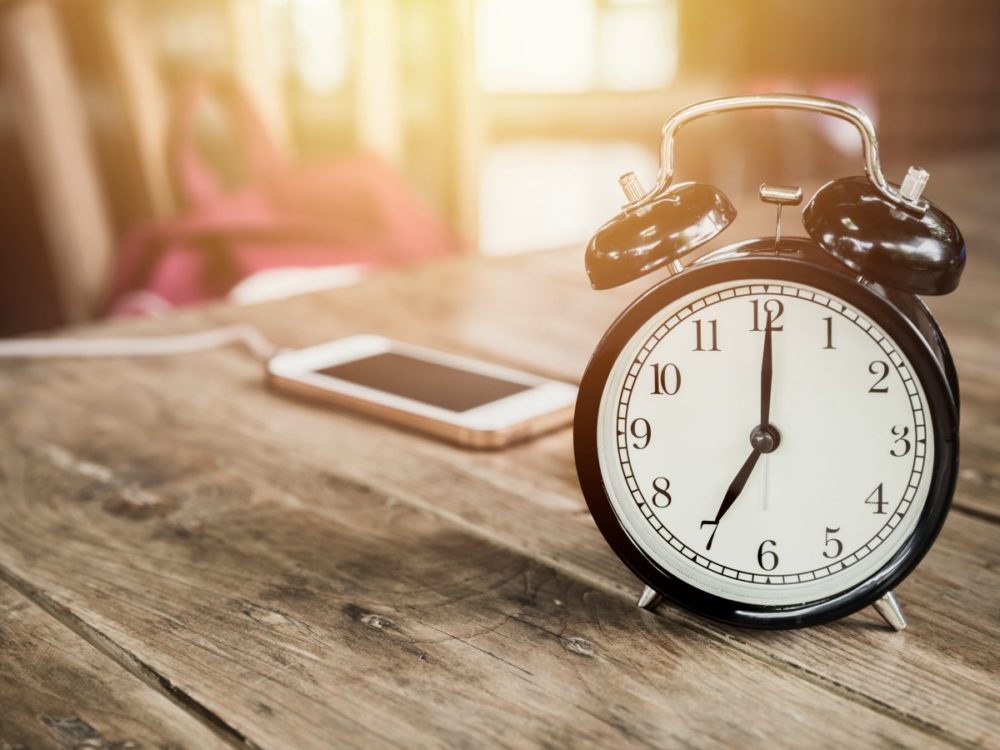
(765, 442)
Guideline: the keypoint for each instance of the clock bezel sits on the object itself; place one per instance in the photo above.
(906, 336)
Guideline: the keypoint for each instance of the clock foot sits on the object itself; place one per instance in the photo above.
(649, 599)
(888, 607)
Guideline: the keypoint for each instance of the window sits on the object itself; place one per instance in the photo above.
(557, 75)
(538, 194)
(567, 46)
(310, 39)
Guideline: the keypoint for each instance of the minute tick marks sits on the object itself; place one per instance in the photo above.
(772, 539)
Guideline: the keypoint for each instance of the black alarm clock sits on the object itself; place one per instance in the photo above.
(769, 436)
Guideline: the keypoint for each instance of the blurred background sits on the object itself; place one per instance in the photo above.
(158, 153)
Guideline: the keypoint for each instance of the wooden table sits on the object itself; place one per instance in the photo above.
(188, 560)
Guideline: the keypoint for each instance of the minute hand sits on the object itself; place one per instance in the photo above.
(765, 379)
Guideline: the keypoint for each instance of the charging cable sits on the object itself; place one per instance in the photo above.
(147, 346)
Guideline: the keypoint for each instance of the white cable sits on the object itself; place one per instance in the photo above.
(151, 346)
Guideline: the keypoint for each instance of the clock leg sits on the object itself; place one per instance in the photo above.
(649, 599)
(888, 607)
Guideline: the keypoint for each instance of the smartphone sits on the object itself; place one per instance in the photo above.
(460, 400)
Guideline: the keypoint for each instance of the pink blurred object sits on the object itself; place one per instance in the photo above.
(353, 211)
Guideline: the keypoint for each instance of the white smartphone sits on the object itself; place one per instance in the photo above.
(461, 400)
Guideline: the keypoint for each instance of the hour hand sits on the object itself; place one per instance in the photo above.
(735, 488)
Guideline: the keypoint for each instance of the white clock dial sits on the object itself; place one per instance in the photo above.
(829, 506)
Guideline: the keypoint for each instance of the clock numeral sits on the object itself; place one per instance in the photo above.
(773, 310)
(666, 379)
(767, 559)
(876, 499)
(838, 546)
(880, 370)
(661, 498)
(829, 332)
(903, 443)
(713, 331)
(711, 537)
(641, 430)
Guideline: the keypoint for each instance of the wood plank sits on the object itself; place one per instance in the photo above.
(301, 605)
(57, 690)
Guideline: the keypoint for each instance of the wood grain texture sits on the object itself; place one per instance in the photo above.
(302, 576)
(57, 690)
(297, 603)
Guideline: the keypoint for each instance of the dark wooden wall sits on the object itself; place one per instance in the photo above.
(932, 64)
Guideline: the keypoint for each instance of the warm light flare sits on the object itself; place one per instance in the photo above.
(575, 45)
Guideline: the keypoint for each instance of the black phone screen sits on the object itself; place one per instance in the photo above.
(428, 382)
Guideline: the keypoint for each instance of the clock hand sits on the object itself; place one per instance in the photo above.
(733, 492)
(764, 438)
(766, 377)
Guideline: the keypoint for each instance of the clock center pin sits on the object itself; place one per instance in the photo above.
(765, 439)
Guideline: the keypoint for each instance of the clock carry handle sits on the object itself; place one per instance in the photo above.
(908, 196)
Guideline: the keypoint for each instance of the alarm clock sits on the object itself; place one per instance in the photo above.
(768, 437)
